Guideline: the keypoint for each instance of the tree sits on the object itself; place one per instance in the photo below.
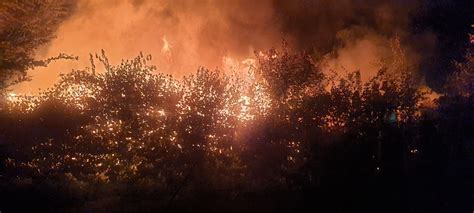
(24, 26)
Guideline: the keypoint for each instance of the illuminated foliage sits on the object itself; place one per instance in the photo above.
(286, 125)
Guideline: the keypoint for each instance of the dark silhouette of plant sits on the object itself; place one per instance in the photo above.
(24, 27)
(130, 132)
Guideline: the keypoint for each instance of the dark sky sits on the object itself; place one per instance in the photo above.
(437, 30)
(450, 21)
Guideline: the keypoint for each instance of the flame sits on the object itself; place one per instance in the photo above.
(230, 63)
(431, 98)
(22, 102)
(250, 62)
(166, 49)
(162, 112)
(245, 109)
(12, 97)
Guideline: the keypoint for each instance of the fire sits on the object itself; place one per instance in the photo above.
(431, 98)
(250, 62)
(245, 108)
(161, 112)
(230, 63)
(166, 49)
(22, 102)
(12, 97)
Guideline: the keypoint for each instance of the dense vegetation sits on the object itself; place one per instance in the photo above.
(25, 25)
(284, 137)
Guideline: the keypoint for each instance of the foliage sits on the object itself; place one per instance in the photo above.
(26, 25)
(132, 132)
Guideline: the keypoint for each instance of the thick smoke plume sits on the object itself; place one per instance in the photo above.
(181, 35)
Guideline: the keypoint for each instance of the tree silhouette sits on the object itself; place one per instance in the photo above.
(24, 27)
(286, 128)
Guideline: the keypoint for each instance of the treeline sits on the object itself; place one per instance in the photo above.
(283, 138)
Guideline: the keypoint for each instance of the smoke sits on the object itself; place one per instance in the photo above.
(350, 35)
(182, 35)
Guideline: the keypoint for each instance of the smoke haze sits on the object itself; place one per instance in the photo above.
(182, 35)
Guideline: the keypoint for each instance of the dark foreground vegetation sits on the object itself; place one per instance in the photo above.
(285, 137)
